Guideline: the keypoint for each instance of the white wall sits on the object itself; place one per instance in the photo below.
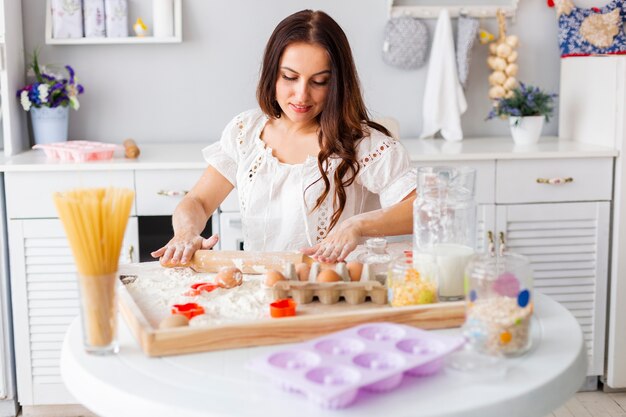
(187, 92)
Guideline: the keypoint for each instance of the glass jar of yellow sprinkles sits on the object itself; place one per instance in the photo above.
(412, 282)
(499, 303)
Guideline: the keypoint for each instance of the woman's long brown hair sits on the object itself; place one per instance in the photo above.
(344, 118)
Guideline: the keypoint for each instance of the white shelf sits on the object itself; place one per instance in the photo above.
(432, 12)
(109, 41)
(177, 38)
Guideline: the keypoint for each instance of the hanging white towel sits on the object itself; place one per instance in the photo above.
(444, 101)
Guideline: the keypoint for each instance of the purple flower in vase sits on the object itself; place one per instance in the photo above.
(50, 89)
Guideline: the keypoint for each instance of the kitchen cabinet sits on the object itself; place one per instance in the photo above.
(45, 301)
(593, 112)
(561, 225)
(568, 248)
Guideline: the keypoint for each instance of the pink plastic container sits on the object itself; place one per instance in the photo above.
(331, 370)
(78, 150)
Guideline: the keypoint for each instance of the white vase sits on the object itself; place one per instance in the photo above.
(50, 124)
(526, 130)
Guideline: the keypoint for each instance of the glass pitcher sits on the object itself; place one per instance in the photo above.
(444, 224)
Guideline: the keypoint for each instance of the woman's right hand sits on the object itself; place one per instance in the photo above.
(180, 249)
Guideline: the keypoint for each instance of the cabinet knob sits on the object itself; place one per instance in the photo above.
(172, 193)
(502, 243)
(555, 181)
(131, 253)
(492, 246)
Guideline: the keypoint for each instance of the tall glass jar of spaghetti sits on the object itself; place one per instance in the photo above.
(499, 297)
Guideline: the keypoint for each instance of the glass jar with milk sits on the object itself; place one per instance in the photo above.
(444, 224)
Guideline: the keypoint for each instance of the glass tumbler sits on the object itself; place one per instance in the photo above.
(98, 306)
(499, 304)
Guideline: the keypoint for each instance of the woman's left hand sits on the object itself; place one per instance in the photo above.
(342, 240)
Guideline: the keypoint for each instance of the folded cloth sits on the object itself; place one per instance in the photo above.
(467, 29)
(444, 101)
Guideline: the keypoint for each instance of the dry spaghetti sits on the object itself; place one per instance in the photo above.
(95, 220)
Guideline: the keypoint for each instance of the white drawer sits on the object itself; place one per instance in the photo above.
(159, 192)
(29, 194)
(231, 233)
(485, 176)
(550, 180)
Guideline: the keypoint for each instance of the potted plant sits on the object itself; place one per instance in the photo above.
(48, 99)
(526, 108)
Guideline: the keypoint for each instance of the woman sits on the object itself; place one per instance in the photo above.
(308, 164)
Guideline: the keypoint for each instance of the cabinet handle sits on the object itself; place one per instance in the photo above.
(502, 243)
(131, 252)
(492, 246)
(172, 193)
(555, 181)
(234, 222)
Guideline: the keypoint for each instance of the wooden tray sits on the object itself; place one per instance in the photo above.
(312, 321)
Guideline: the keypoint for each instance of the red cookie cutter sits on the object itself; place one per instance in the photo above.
(189, 310)
(283, 308)
(198, 287)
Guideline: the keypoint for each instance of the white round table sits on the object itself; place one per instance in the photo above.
(219, 384)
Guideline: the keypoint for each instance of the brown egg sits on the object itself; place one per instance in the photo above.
(328, 275)
(272, 277)
(229, 277)
(354, 270)
(302, 271)
(174, 320)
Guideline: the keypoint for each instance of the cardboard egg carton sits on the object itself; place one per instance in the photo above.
(353, 292)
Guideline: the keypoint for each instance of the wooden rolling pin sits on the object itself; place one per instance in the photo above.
(131, 150)
(248, 262)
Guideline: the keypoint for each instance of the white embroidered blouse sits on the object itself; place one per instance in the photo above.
(276, 206)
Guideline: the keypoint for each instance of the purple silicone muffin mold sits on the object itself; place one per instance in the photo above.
(330, 370)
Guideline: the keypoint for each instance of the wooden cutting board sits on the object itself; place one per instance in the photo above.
(312, 320)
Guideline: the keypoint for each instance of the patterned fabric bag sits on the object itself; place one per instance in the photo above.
(406, 42)
(593, 31)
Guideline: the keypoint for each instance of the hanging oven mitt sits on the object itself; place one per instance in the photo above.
(467, 30)
(406, 43)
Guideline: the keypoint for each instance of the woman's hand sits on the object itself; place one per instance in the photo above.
(342, 240)
(180, 249)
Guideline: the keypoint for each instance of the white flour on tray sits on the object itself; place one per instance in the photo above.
(157, 289)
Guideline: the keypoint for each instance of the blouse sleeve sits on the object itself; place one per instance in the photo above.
(223, 155)
(385, 168)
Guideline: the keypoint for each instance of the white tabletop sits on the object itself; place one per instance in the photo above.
(219, 384)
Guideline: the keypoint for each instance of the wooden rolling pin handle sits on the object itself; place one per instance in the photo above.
(131, 150)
